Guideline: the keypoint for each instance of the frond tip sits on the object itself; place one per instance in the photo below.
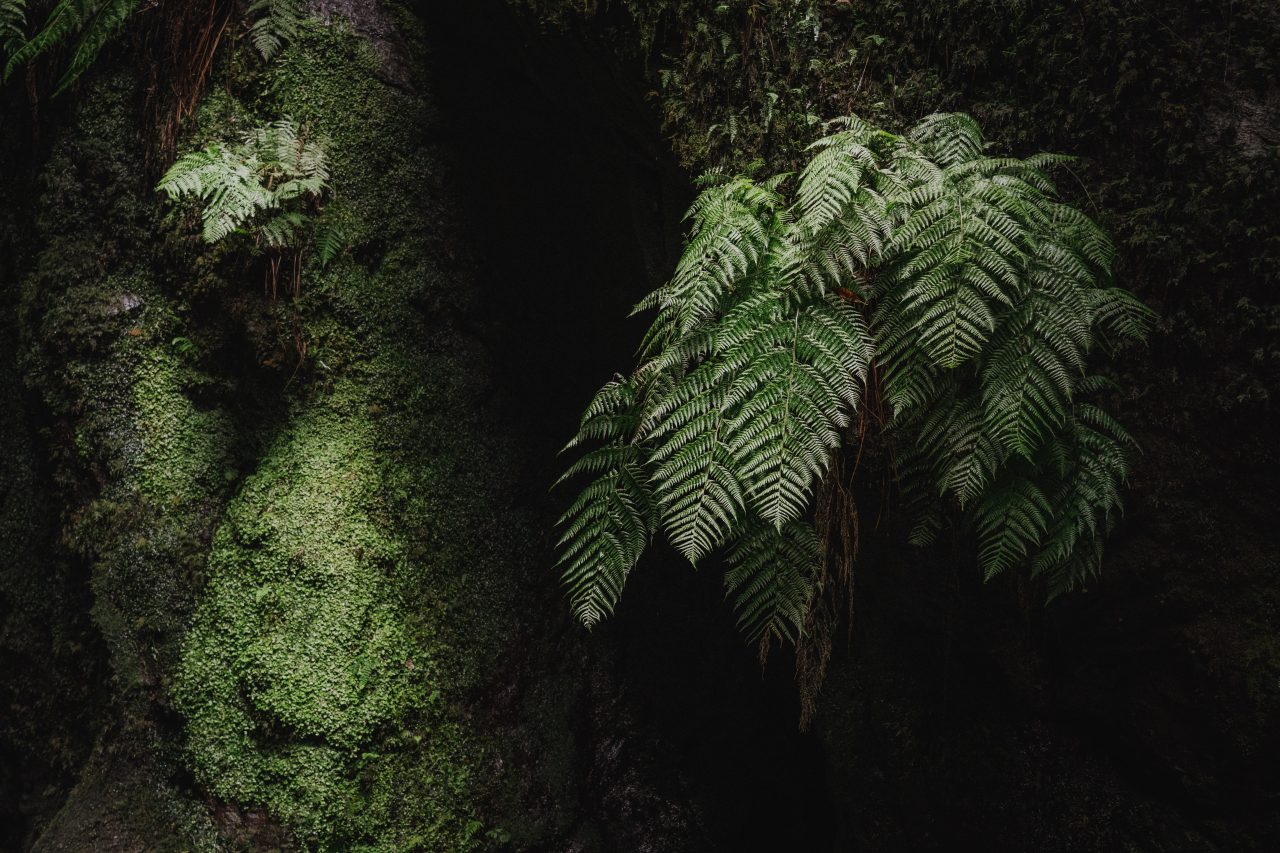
(604, 533)
(275, 24)
(772, 578)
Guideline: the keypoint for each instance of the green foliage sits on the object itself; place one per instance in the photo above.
(262, 186)
(91, 23)
(13, 23)
(276, 24)
(304, 630)
(977, 296)
(737, 80)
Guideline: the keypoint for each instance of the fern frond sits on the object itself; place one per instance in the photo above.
(695, 482)
(1117, 313)
(103, 24)
(94, 22)
(64, 19)
(1025, 393)
(604, 533)
(282, 231)
(276, 24)
(1010, 521)
(331, 241)
(730, 236)
(949, 138)
(793, 397)
(1085, 505)
(841, 167)
(772, 577)
(13, 25)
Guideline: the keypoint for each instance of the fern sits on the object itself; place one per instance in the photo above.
(276, 24)
(975, 292)
(331, 240)
(610, 524)
(273, 169)
(13, 25)
(772, 577)
(90, 22)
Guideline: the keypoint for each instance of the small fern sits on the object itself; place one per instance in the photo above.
(267, 186)
(276, 23)
(976, 294)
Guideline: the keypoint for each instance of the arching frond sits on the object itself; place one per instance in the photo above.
(331, 241)
(91, 23)
(13, 26)
(605, 531)
(979, 296)
(1011, 520)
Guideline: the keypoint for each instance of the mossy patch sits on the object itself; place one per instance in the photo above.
(309, 673)
(352, 599)
(138, 462)
(142, 464)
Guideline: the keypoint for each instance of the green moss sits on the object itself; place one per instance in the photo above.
(306, 659)
(183, 457)
(142, 465)
(351, 601)
(139, 462)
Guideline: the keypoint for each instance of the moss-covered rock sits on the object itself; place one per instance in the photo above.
(352, 599)
(298, 518)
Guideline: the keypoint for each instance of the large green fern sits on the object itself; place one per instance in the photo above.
(974, 292)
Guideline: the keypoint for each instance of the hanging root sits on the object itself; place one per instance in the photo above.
(837, 523)
(176, 42)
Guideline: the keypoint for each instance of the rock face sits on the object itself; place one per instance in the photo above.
(278, 573)
(302, 522)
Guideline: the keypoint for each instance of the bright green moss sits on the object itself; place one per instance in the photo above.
(183, 454)
(139, 464)
(306, 657)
